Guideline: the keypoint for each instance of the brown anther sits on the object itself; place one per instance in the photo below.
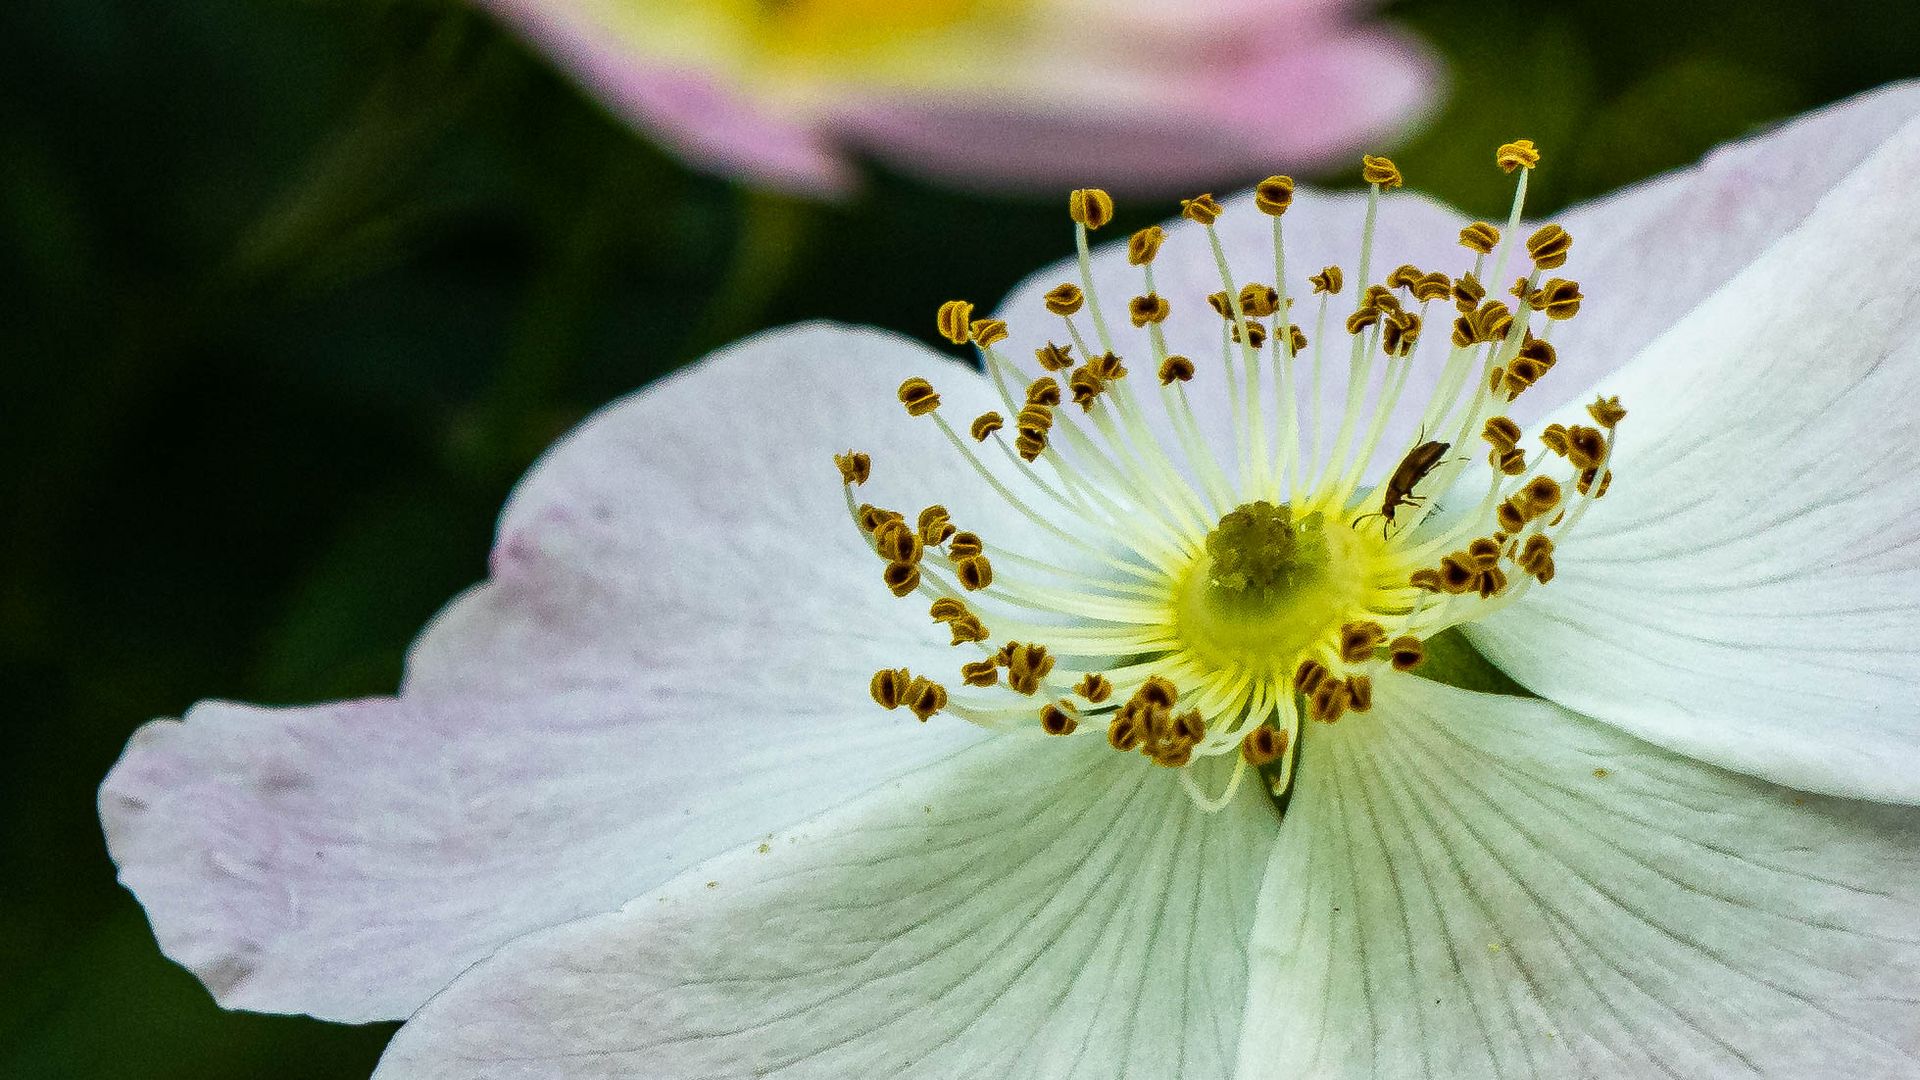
(1501, 433)
(897, 543)
(1480, 237)
(954, 319)
(1559, 298)
(1145, 244)
(889, 686)
(1467, 293)
(1106, 367)
(947, 608)
(1329, 701)
(935, 533)
(1257, 301)
(1309, 675)
(1380, 298)
(980, 673)
(1175, 369)
(988, 332)
(1534, 359)
(986, 424)
(1380, 171)
(1457, 573)
(1426, 579)
(1541, 494)
(1043, 391)
(1059, 717)
(974, 572)
(964, 544)
(1328, 280)
(1201, 208)
(1090, 207)
(1029, 446)
(1027, 665)
(1406, 652)
(1548, 246)
(1085, 387)
(925, 697)
(1510, 462)
(1273, 195)
(1190, 727)
(1555, 438)
(1490, 582)
(1586, 486)
(872, 518)
(918, 396)
(1158, 691)
(1511, 514)
(1095, 687)
(901, 578)
(1606, 412)
(1263, 745)
(1064, 299)
(1586, 446)
(1034, 419)
(1433, 286)
(1400, 333)
(1151, 308)
(1124, 733)
(1359, 639)
(1054, 357)
(1360, 693)
(1255, 336)
(1523, 290)
(1362, 319)
(1536, 558)
(1220, 305)
(855, 467)
(932, 516)
(1485, 552)
(967, 628)
(1296, 339)
(1403, 276)
(1518, 154)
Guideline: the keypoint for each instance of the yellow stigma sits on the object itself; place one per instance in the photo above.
(1196, 602)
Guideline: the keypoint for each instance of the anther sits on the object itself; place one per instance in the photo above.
(1380, 171)
(1255, 336)
(988, 332)
(1406, 652)
(1095, 687)
(1201, 208)
(1059, 717)
(1027, 665)
(918, 396)
(1559, 298)
(899, 544)
(967, 628)
(1518, 154)
(1309, 675)
(1501, 433)
(1106, 367)
(954, 319)
(1359, 639)
(1458, 573)
(1555, 438)
(1536, 558)
(974, 572)
(873, 518)
(980, 673)
(1360, 693)
(1043, 391)
(1258, 301)
(1541, 494)
(1480, 238)
(1158, 691)
(934, 526)
(1403, 276)
(1329, 700)
(901, 578)
(855, 467)
(1468, 292)
(925, 697)
(1400, 333)
(1175, 369)
(1585, 446)
(1090, 207)
(1273, 195)
(1124, 734)
(1433, 286)
(1548, 246)
(1064, 299)
(1296, 338)
(1586, 485)
(1606, 412)
(1263, 746)
(963, 545)
(1328, 280)
(1151, 308)
(889, 686)
(986, 424)
(1145, 244)
(1510, 462)
(1485, 552)
(1054, 357)
(947, 608)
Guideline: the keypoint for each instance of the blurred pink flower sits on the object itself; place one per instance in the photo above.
(989, 93)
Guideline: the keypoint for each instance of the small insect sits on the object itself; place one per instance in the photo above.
(1412, 469)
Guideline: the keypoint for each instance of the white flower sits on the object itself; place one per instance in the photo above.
(633, 814)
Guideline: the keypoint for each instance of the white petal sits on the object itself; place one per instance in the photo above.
(672, 658)
(1748, 592)
(1040, 907)
(1471, 885)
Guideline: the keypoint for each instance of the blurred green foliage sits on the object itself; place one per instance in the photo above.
(292, 292)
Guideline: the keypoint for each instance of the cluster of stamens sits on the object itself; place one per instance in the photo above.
(1200, 616)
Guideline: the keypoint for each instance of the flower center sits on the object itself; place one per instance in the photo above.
(1234, 591)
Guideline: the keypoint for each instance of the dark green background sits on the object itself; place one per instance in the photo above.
(291, 292)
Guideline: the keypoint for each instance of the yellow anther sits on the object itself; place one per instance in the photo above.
(1218, 302)
(1534, 359)
(1360, 693)
(1380, 171)
(1458, 573)
(1426, 579)
(988, 332)
(1255, 336)
(1523, 290)
(1158, 691)
(1175, 369)
(1257, 301)
(1433, 286)
(964, 544)
(1296, 338)
(1380, 298)
(1585, 446)
(1518, 154)
(1559, 298)
(1329, 701)
(1362, 319)
(1511, 462)
(855, 467)
(1403, 276)
(967, 628)
(1043, 391)
(1541, 495)
(1485, 552)
(1406, 652)
(1555, 438)
(901, 578)
(1328, 280)
(918, 396)
(1170, 744)
(934, 526)
(1151, 308)
(1054, 357)
(980, 673)
(1029, 446)
(974, 572)
(1034, 419)
(1548, 246)
(954, 319)
(1480, 237)
(925, 697)
(1095, 687)
(947, 609)
(1201, 208)
(1467, 293)
(1308, 676)
(1490, 582)
(1273, 195)
(1586, 486)
(1511, 514)
(1090, 207)
(1145, 244)
(1107, 367)
(1606, 412)
(1026, 665)
(1501, 433)
(986, 424)
(899, 544)
(1536, 558)
(1124, 732)
(1263, 746)
(873, 518)
(1400, 333)
(1359, 639)
(1059, 717)
(1489, 322)
(889, 686)
(1064, 298)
